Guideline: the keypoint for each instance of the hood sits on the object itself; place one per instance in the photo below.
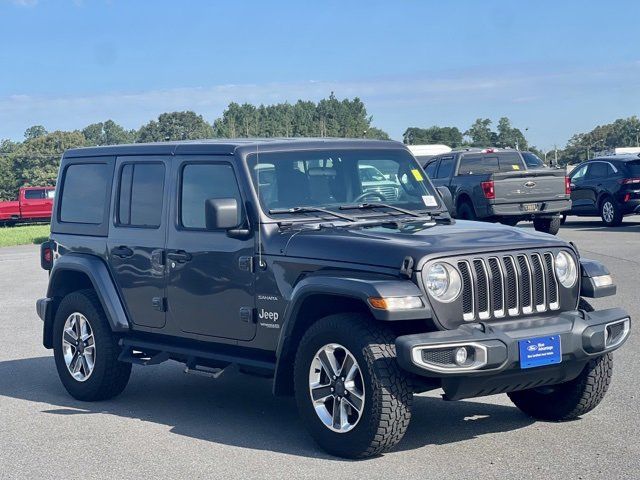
(387, 247)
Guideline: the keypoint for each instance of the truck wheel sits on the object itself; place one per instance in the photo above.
(351, 394)
(569, 400)
(85, 349)
(547, 225)
(466, 212)
(610, 213)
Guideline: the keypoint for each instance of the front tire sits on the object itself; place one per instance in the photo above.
(378, 397)
(547, 225)
(86, 351)
(569, 400)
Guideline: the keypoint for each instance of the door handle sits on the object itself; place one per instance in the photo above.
(179, 256)
(122, 251)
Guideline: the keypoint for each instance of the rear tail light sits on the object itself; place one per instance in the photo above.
(567, 185)
(488, 190)
(629, 181)
(627, 197)
(46, 255)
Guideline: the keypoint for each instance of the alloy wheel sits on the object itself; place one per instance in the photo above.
(336, 387)
(607, 211)
(78, 347)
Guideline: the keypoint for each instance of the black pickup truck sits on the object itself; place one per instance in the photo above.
(496, 185)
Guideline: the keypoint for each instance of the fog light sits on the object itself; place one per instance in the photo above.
(461, 356)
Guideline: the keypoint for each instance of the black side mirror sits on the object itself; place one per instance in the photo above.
(445, 195)
(221, 213)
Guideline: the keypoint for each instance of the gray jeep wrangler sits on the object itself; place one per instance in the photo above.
(332, 266)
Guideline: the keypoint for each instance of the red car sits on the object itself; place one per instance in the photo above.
(33, 204)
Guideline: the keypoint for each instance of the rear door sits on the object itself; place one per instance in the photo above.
(211, 284)
(595, 184)
(137, 237)
(442, 177)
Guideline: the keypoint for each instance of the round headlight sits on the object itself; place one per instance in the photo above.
(443, 282)
(566, 270)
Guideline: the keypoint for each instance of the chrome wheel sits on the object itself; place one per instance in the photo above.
(607, 211)
(336, 387)
(78, 346)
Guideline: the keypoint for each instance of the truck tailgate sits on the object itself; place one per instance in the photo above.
(530, 186)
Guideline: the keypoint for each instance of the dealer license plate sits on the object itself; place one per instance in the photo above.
(530, 207)
(539, 351)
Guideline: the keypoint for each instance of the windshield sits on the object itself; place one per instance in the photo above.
(330, 178)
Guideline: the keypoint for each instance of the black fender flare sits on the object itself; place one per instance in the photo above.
(354, 287)
(588, 270)
(96, 270)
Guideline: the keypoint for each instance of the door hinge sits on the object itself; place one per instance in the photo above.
(246, 314)
(245, 264)
(159, 303)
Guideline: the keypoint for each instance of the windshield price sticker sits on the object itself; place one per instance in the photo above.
(429, 200)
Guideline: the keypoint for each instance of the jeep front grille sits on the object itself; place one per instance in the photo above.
(508, 285)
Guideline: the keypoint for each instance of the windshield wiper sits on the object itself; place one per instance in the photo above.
(362, 206)
(276, 211)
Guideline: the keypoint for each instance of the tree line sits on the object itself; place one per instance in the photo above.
(35, 160)
(623, 132)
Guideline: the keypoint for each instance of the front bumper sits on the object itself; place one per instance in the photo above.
(496, 368)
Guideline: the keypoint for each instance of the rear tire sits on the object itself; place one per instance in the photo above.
(466, 212)
(99, 375)
(384, 388)
(547, 225)
(610, 212)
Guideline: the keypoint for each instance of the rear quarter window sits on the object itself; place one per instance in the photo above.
(82, 203)
(84, 191)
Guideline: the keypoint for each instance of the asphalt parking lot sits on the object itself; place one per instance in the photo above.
(170, 425)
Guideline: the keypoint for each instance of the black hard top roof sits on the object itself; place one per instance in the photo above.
(228, 146)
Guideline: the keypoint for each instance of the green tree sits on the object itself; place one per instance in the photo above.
(36, 161)
(107, 133)
(509, 136)
(450, 136)
(8, 181)
(480, 133)
(34, 132)
(175, 126)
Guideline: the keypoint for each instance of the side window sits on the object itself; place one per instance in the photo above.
(579, 173)
(598, 170)
(446, 167)
(430, 169)
(51, 194)
(34, 194)
(83, 193)
(141, 192)
(510, 161)
(200, 182)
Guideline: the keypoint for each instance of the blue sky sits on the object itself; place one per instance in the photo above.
(553, 67)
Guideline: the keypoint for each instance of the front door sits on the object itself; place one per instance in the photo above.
(137, 237)
(580, 193)
(210, 288)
